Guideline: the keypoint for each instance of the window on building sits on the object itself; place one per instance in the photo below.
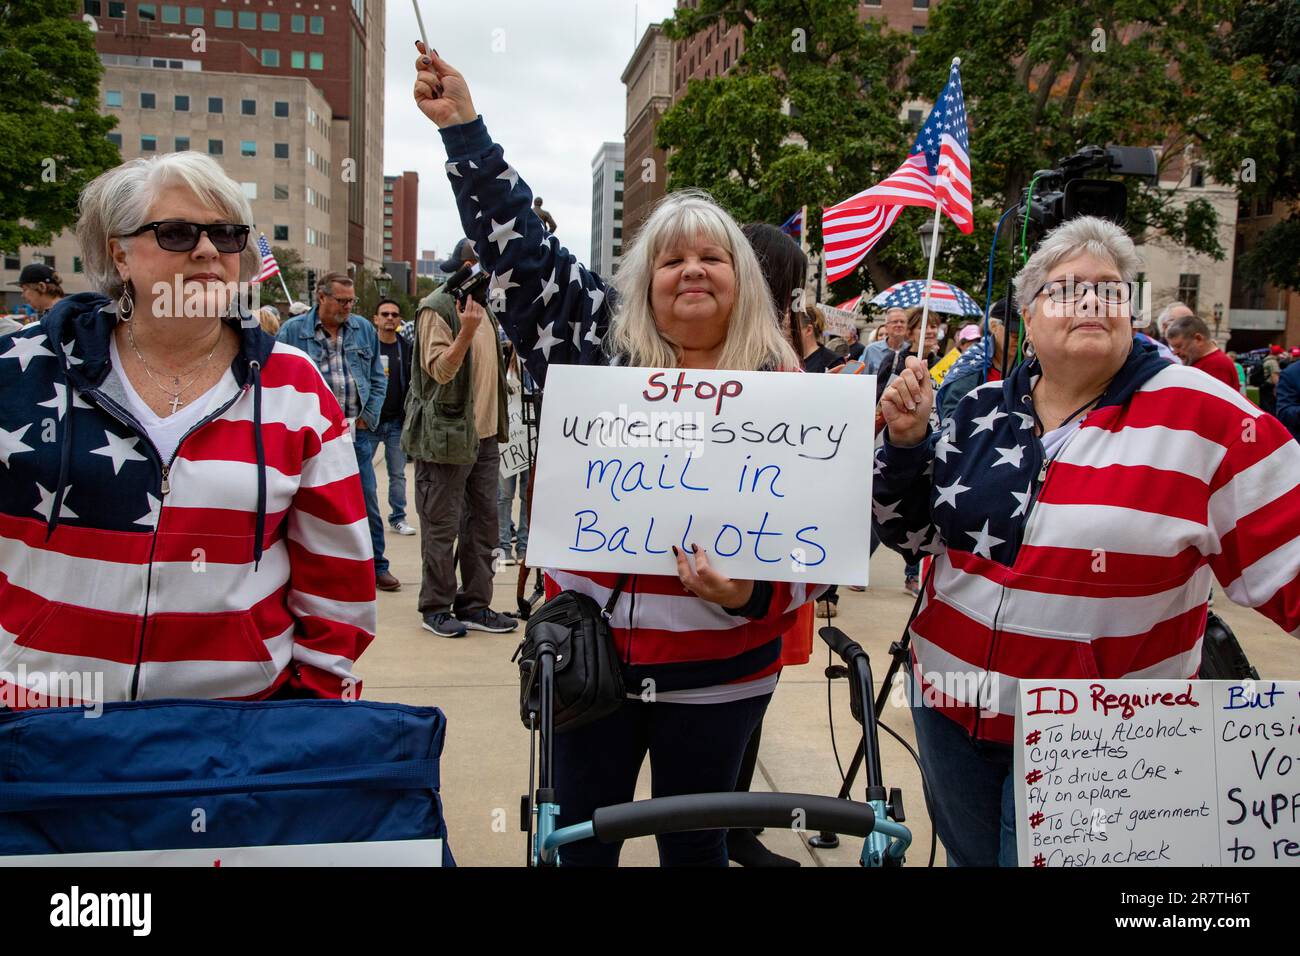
(216, 104)
(146, 11)
(247, 20)
(271, 21)
(726, 59)
(298, 24)
(223, 18)
(112, 97)
(1198, 176)
(182, 144)
(281, 151)
(914, 119)
(116, 11)
(281, 234)
(618, 232)
(76, 265)
(148, 101)
(298, 60)
(317, 61)
(250, 190)
(248, 147)
(279, 192)
(871, 3)
(618, 175)
(318, 25)
(248, 107)
(148, 144)
(194, 16)
(1189, 289)
(181, 103)
(115, 139)
(216, 147)
(270, 58)
(93, 7)
(918, 30)
(171, 13)
(920, 4)
(281, 109)
(388, 222)
(388, 247)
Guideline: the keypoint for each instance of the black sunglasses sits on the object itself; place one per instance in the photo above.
(175, 235)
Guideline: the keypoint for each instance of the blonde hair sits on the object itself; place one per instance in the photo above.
(269, 317)
(117, 203)
(754, 340)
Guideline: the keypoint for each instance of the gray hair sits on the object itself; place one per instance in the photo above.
(1188, 326)
(117, 202)
(1090, 235)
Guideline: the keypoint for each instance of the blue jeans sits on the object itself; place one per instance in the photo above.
(505, 506)
(364, 446)
(390, 432)
(972, 791)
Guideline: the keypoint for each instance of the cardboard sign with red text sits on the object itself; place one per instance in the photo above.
(1158, 773)
(769, 472)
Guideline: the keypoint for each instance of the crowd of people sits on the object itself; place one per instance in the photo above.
(247, 447)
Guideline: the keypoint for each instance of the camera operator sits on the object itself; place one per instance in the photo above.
(457, 414)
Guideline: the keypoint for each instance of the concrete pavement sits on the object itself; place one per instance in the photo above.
(485, 764)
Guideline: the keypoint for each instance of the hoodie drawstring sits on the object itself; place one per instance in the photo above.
(255, 370)
(65, 450)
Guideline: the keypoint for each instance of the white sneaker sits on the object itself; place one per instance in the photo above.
(401, 527)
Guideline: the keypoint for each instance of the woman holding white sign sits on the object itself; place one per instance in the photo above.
(1078, 512)
(706, 653)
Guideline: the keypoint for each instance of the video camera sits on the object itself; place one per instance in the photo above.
(1063, 193)
(469, 282)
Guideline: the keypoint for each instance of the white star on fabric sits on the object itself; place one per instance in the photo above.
(46, 504)
(25, 348)
(57, 401)
(511, 175)
(885, 513)
(502, 233)
(575, 274)
(935, 545)
(944, 446)
(11, 443)
(591, 335)
(1026, 421)
(120, 449)
(916, 540)
(472, 164)
(549, 288)
(577, 336)
(1023, 498)
(949, 495)
(67, 353)
(501, 282)
(985, 423)
(1009, 456)
(150, 520)
(879, 467)
(546, 340)
(984, 542)
(597, 297)
(451, 171)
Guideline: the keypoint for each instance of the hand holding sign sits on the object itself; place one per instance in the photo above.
(706, 583)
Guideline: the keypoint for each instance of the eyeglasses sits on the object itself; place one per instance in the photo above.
(345, 303)
(1069, 292)
(175, 235)
(390, 315)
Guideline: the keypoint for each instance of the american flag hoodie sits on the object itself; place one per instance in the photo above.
(242, 568)
(556, 311)
(1099, 562)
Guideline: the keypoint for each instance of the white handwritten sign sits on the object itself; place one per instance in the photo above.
(769, 472)
(1158, 773)
(841, 323)
(514, 453)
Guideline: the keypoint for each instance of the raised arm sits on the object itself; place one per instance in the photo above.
(900, 506)
(551, 306)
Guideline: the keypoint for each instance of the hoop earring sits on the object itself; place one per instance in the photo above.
(1029, 349)
(125, 305)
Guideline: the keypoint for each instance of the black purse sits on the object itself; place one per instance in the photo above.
(588, 678)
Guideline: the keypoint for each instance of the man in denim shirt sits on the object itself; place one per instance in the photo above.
(345, 347)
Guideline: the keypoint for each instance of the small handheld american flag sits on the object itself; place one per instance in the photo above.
(269, 266)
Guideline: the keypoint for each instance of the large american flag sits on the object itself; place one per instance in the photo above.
(269, 266)
(937, 170)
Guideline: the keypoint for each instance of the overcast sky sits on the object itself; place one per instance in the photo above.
(550, 98)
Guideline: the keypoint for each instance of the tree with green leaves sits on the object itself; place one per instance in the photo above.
(291, 269)
(52, 136)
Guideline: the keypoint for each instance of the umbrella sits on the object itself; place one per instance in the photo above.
(944, 297)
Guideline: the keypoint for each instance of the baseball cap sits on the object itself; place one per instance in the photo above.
(968, 333)
(35, 272)
(1295, 351)
(1275, 350)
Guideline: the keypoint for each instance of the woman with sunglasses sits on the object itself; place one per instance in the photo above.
(180, 509)
(1078, 512)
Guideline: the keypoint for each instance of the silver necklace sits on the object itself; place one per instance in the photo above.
(176, 379)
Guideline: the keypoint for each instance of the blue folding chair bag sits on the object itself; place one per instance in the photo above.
(191, 774)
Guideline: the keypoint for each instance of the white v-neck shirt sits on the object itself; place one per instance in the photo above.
(165, 433)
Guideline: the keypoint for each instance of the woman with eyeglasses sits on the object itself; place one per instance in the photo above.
(180, 509)
(1078, 512)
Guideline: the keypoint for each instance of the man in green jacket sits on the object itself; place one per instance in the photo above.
(456, 414)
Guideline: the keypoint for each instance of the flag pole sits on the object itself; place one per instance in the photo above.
(934, 251)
